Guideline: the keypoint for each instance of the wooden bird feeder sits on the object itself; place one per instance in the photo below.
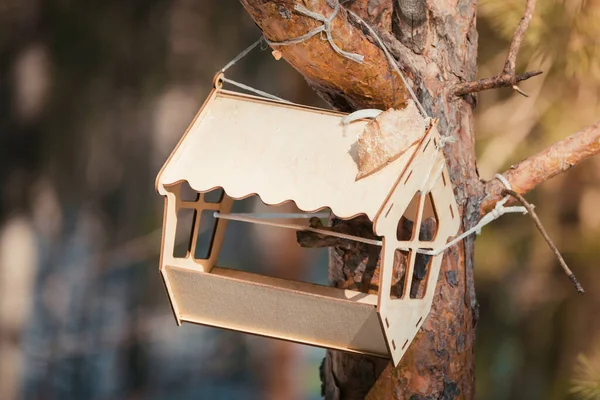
(249, 145)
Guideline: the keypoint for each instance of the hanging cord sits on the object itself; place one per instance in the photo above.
(257, 91)
(497, 212)
(241, 55)
(326, 27)
(499, 208)
(243, 86)
(365, 113)
(391, 61)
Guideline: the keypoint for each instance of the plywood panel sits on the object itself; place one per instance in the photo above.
(280, 152)
(286, 152)
(402, 318)
(289, 310)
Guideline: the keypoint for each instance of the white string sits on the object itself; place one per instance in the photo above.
(499, 208)
(241, 55)
(365, 113)
(257, 91)
(498, 211)
(506, 184)
(326, 27)
(391, 61)
(244, 86)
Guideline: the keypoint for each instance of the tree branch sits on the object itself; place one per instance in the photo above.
(540, 227)
(507, 77)
(494, 82)
(515, 44)
(345, 84)
(544, 165)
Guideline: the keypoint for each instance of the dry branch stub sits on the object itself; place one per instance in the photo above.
(507, 78)
(296, 143)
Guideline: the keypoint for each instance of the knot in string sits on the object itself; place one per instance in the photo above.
(498, 211)
(444, 140)
(324, 28)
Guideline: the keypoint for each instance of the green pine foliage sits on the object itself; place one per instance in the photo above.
(565, 31)
(586, 379)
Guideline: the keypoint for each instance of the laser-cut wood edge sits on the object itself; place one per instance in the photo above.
(402, 318)
(293, 311)
(394, 317)
(292, 160)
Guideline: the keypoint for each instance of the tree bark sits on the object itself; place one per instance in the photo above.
(546, 164)
(436, 57)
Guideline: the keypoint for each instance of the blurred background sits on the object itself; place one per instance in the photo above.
(94, 96)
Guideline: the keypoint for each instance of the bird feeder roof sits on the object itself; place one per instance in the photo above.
(281, 152)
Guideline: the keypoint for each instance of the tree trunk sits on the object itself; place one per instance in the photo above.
(435, 45)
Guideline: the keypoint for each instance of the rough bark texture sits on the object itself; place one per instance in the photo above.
(344, 83)
(546, 164)
(439, 362)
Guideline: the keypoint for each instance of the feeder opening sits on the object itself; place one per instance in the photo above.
(206, 233)
(421, 272)
(398, 288)
(183, 233)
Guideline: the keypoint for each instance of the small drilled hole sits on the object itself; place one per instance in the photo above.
(387, 323)
(451, 211)
(405, 343)
(394, 345)
(419, 321)
(389, 209)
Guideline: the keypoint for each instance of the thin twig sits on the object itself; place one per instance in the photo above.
(494, 82)
(542, 230)
(515, 43)
(507, 77)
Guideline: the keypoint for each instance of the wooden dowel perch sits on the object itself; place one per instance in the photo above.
(258, 221)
